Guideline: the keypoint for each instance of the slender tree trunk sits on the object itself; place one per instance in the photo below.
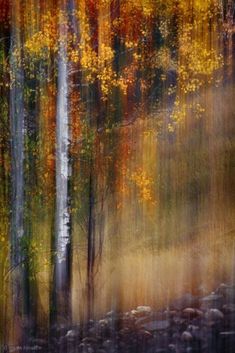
(90, 250)
(17, 162)
(62, 217)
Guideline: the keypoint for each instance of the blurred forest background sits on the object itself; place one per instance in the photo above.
(117, 155)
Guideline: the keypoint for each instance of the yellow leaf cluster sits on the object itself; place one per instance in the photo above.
(45, 38)
(143, 183)
(161, 59)
(179, 112)
(89, 60)
(198, 65)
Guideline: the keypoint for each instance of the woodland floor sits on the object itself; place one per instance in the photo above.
(192, 324)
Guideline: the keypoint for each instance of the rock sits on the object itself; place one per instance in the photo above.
(195, 332)
(212, 301)
(229, 308)
(141, 311)
(124, 331)
(189, 311)
(90, 349)
(88, 340)
(227, 334)
(172, 348)
(103, 322)
(103, 327)
(192, 313)
(107, 344)
(177, 320)
(214, 315)
(144, 334)
(156, 316)
(128, 320)
(192, 328)
(82, 346)
(72, 334)
(186, 301)
(59, 329)
(156, 325)
(144, 309)
(186, 336)
(189, 350)
(139, 322)
(111, 314)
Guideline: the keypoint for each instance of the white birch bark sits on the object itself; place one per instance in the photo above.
(62, 160)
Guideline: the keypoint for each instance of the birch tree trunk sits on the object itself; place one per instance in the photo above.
(62, 218)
